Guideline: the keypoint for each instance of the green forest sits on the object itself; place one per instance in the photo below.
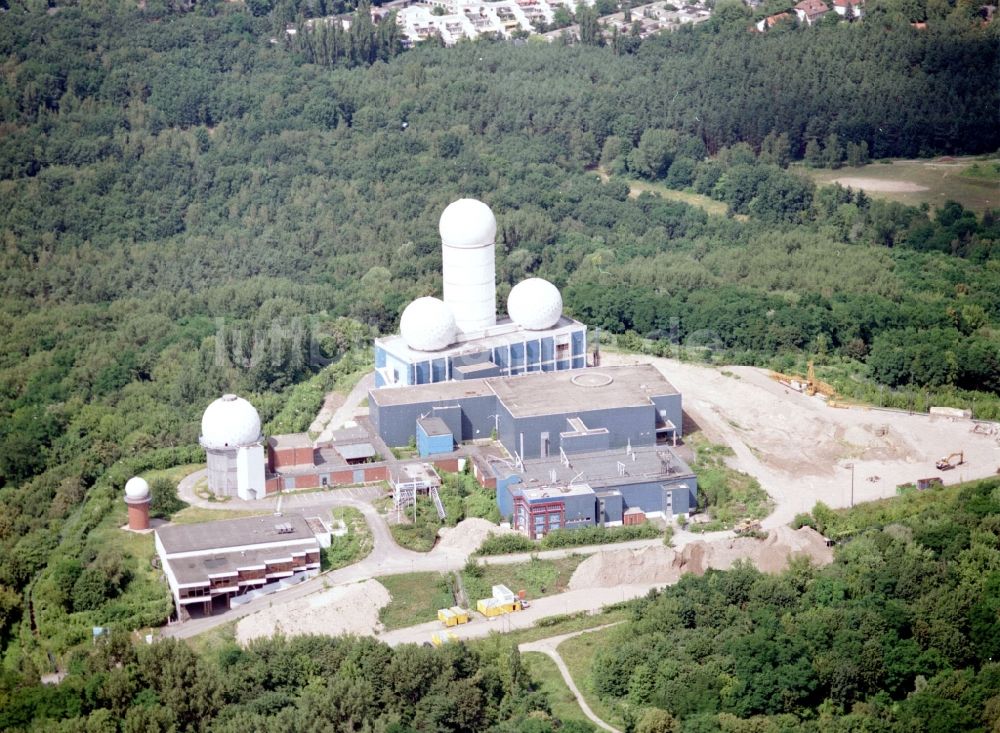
(193, 201)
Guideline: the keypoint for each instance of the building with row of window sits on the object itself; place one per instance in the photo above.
(208, 565)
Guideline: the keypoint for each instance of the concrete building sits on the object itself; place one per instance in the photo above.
(587, 445)
(233, 443)
(208, 565)
(460, 337)
(537, 415)
(595, 487)
(138, 498)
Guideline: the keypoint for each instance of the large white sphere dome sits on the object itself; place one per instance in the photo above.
(136, 489)
(535, 304)
(467, 223)
(230, 422)
(427, 324)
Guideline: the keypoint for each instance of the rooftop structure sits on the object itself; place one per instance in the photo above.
(460, 337)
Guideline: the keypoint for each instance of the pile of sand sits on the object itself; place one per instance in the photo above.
(466, 536)
(627, 567)
(346, 609)
(663, 565)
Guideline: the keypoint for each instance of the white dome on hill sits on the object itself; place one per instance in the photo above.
(136, 489)
(535, 304)
(230, 422)
(467, 223)
(427, 324)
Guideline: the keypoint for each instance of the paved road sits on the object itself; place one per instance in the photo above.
(388, 558)
(549, 647)
(589, 600)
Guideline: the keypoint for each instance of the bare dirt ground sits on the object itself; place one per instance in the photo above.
(880, 186)
(333, 401)
(466, 536)
(801, 450)
(665, 565)
(344, 609)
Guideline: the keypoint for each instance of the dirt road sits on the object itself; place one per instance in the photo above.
(550, 648)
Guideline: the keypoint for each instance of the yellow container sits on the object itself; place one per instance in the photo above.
(447, 617)
(461, 615)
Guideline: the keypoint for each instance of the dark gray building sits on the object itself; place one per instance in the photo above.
(580, 489)
(536, 415)
(588, 445)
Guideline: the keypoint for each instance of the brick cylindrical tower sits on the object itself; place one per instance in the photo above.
(137, 497)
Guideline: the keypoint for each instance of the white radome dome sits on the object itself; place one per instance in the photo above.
(535, 304)
(136, 489)
(230, 422)
(467, 223)
(427, 324)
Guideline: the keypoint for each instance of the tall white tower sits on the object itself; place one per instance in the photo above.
(468, 232)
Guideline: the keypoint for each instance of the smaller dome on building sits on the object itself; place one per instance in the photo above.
(136, 489)
(230, 422)
(427, 324)
(467, 223)
(535, 304)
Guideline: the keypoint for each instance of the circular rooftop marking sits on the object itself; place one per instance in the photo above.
(592, 379)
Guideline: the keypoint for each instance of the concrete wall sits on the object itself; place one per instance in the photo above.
(613, 508)
(635, 425)
(589, 443)
(671, 405)
(397, 424)
(651, 496)
(222, 472)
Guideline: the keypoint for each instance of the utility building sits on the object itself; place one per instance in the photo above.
(536, 415)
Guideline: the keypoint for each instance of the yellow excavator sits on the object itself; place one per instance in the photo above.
(949, 462)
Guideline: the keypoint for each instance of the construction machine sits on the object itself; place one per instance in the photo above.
(949, 462)
(809, 384)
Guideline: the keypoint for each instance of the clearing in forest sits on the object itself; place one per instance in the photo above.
(915, 182)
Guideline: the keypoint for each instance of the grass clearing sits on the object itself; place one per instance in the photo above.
(416, 598)
(544, 672)
(709, 205)
(728, 495)
(578, 654)
(537, 578)
(197, 515)
(955, 179)
(215, 639)
(174, 474)
(353, 546)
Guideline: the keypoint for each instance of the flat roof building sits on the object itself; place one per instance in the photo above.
(537, 415)
(229, 558)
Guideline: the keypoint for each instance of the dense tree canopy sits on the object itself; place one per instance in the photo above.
(193, 201)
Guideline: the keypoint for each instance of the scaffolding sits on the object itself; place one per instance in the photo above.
(417, 479)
